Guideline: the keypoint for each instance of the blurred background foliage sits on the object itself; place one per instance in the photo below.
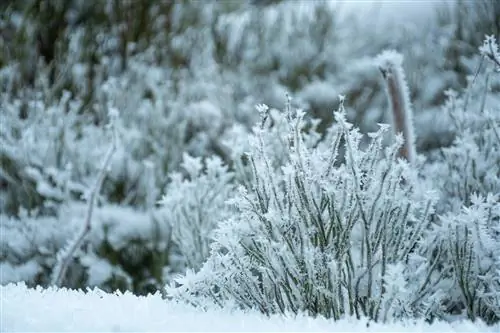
(185, 76)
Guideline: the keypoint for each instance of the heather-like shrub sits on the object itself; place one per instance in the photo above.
(125, 249)
(471, 165)
(275, 138)
(468, 178)
(193, 206)
(48, 153)
(470, 239)
(323, 235)
(327, 221)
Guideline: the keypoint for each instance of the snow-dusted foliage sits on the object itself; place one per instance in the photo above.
(472, 164)
(275, 139)
(327, 221)
(257, 37)
(47, 151)
(28, 248)
(468, 178)
(490, 50)
(193, 206)
(323, 236)
(125, 250)
(65, 256)
(470, 239)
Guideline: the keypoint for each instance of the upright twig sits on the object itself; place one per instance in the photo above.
(66, 254)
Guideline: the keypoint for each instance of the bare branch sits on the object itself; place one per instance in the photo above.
(67, 253)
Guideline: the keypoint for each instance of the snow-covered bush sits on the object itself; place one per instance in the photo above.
(471, 165)
(125, 249)
(74, 244)
(275, 139)
(256, 38)
(321, 235)
(194, 206)
(468, 178)
(47, 152)
(471, 239)
(28, 247)
(185, 76)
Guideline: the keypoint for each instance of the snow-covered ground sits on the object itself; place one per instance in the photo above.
(55, 310)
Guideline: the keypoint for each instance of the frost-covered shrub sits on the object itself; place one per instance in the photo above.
(48, 153)
(321, 235)
(125, 250)
(471, 241)
(275, 139)
(28, 247)
(472, 164)
(308, 31)
(193, 206)
(171, 113)
(65, 256)
(160, 121)
(467, 176)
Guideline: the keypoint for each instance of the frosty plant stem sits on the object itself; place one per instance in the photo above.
(66, 254)
(490, 50)
(390, 64)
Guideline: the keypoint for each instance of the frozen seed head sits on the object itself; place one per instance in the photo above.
(388, 61)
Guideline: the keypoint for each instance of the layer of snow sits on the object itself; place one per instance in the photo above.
(30, 310)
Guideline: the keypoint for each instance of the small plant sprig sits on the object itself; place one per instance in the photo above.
(490, 50)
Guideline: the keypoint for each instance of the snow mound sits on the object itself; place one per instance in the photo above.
(56, 310)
